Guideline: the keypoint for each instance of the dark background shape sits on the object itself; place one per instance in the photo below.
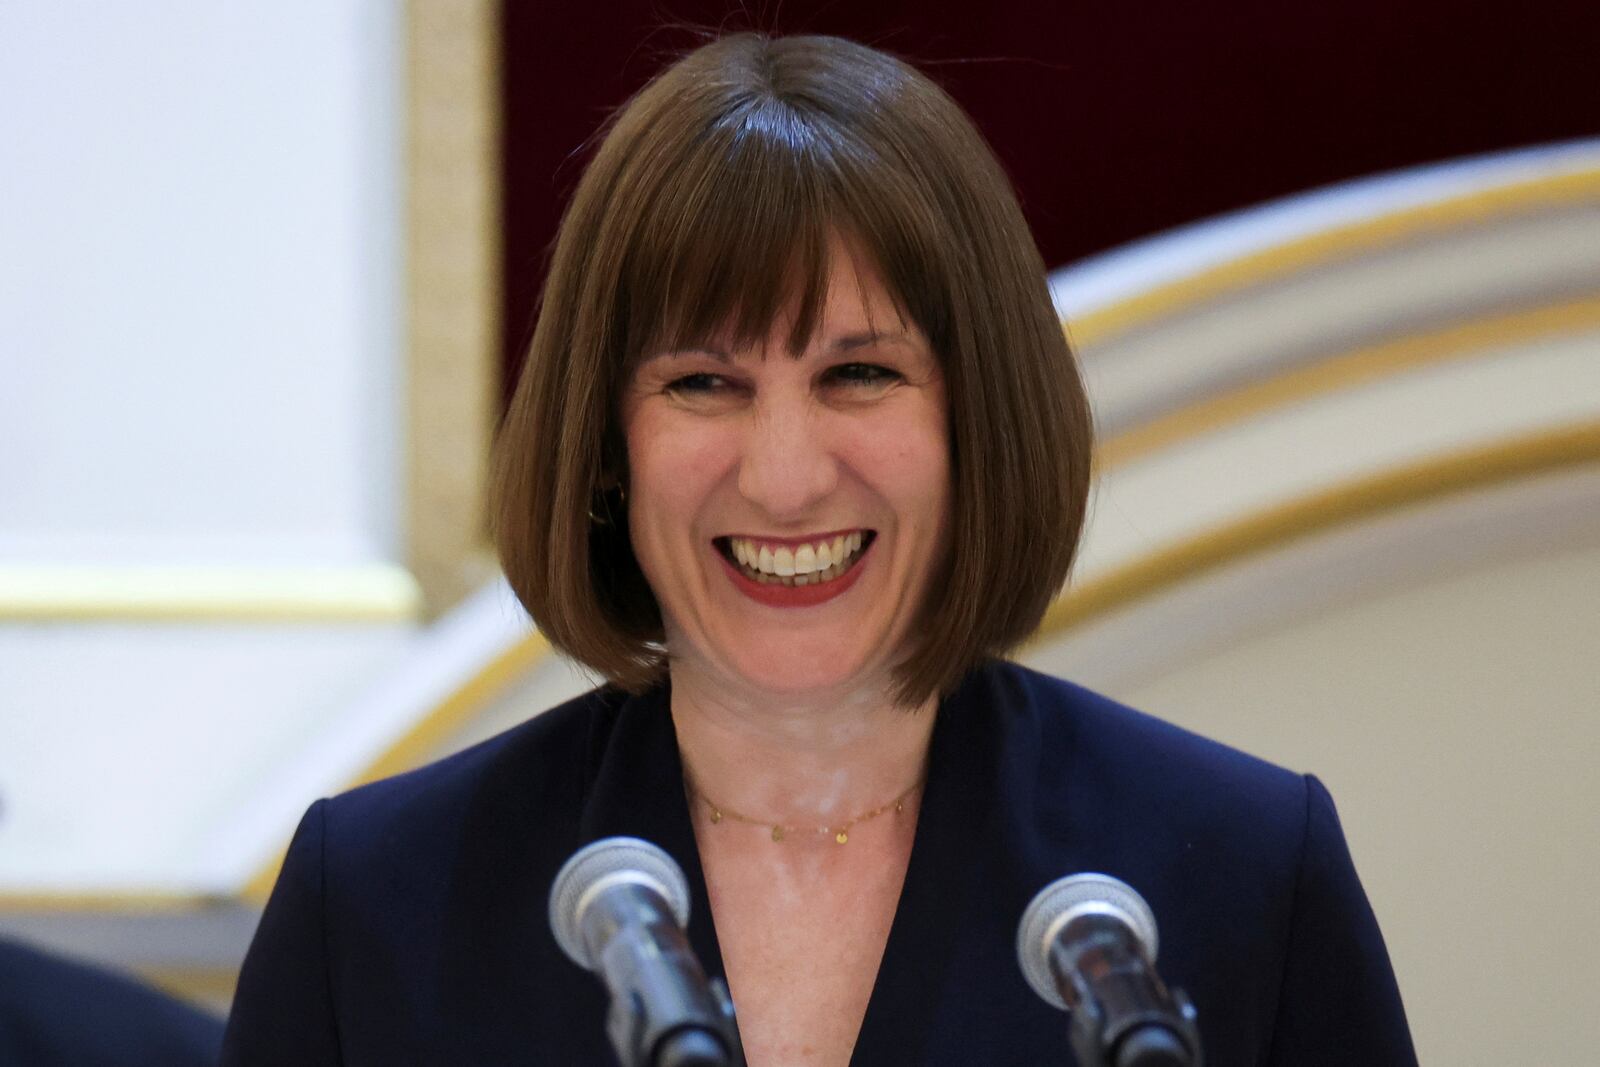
(1115, 120)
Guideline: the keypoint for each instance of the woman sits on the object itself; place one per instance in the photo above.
(800, 448)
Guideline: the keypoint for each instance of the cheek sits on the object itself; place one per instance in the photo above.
(909, 460)
(673, 465)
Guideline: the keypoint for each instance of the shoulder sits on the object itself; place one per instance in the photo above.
(442, 867)
(1263, 918)
(1148, 779)
(1114, 740)
(556, 742)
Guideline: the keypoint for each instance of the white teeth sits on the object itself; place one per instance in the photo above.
(805, 565)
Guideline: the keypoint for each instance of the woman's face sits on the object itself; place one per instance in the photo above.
(789, 512)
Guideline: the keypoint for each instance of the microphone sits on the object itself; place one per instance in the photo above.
(618, 907)
(1087, 944)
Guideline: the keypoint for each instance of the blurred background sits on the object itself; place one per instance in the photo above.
(1333, 271)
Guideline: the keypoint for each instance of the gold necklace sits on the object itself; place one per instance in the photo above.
(840, 831)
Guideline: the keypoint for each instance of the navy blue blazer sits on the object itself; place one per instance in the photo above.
(408, 925)
(56, 1012)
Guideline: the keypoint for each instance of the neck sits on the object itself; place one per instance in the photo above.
(790, 758)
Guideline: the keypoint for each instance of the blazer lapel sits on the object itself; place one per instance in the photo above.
(949, 990)
(940, 877)
(637, 791)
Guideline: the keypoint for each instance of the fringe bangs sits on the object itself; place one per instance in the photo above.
(737, 238)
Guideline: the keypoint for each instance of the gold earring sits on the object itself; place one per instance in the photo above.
(603, 497)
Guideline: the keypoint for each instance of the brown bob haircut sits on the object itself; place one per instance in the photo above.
(707, 210)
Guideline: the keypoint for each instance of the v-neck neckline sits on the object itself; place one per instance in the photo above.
(939, 877)
(638, 791)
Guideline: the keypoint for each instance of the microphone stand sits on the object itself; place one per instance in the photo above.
(1117, 1025)
(656, 1018)
(618, 908)
(691, 1046)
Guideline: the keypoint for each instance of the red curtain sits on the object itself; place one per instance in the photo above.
(1116, 120)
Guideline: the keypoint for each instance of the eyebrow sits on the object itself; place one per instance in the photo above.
(852, 341)
(849, 342)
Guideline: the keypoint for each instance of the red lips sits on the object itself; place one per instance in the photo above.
(778, 595)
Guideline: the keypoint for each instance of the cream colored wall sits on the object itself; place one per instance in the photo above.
(1458, 725)
(201, 523)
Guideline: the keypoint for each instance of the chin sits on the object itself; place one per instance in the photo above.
(792, 674)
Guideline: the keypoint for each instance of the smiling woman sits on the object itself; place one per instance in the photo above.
(780, 455)
(760, 198)
(799, 452)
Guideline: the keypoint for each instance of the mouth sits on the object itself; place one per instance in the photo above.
(790, 563)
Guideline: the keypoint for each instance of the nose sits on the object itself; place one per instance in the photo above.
(788, 464)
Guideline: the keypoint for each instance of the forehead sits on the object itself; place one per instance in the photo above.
(856, 294)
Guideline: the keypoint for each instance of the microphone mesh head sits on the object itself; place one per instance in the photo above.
(1080, 893)
(633, 859)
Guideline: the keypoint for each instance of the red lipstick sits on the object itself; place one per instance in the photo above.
(778, 595)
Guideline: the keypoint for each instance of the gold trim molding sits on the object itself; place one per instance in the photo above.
(210, 988)
(1339, 505)
(127, 903)
(1340, 242)
(365, 593)
(1347, 370)
(452, 220)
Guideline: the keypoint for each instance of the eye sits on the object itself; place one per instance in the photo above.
(861, 375)
(697, 384)
(706, 391)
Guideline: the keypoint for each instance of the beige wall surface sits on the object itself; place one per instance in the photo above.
(1457, 724)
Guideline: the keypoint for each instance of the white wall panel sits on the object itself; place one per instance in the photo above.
(200, 285)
